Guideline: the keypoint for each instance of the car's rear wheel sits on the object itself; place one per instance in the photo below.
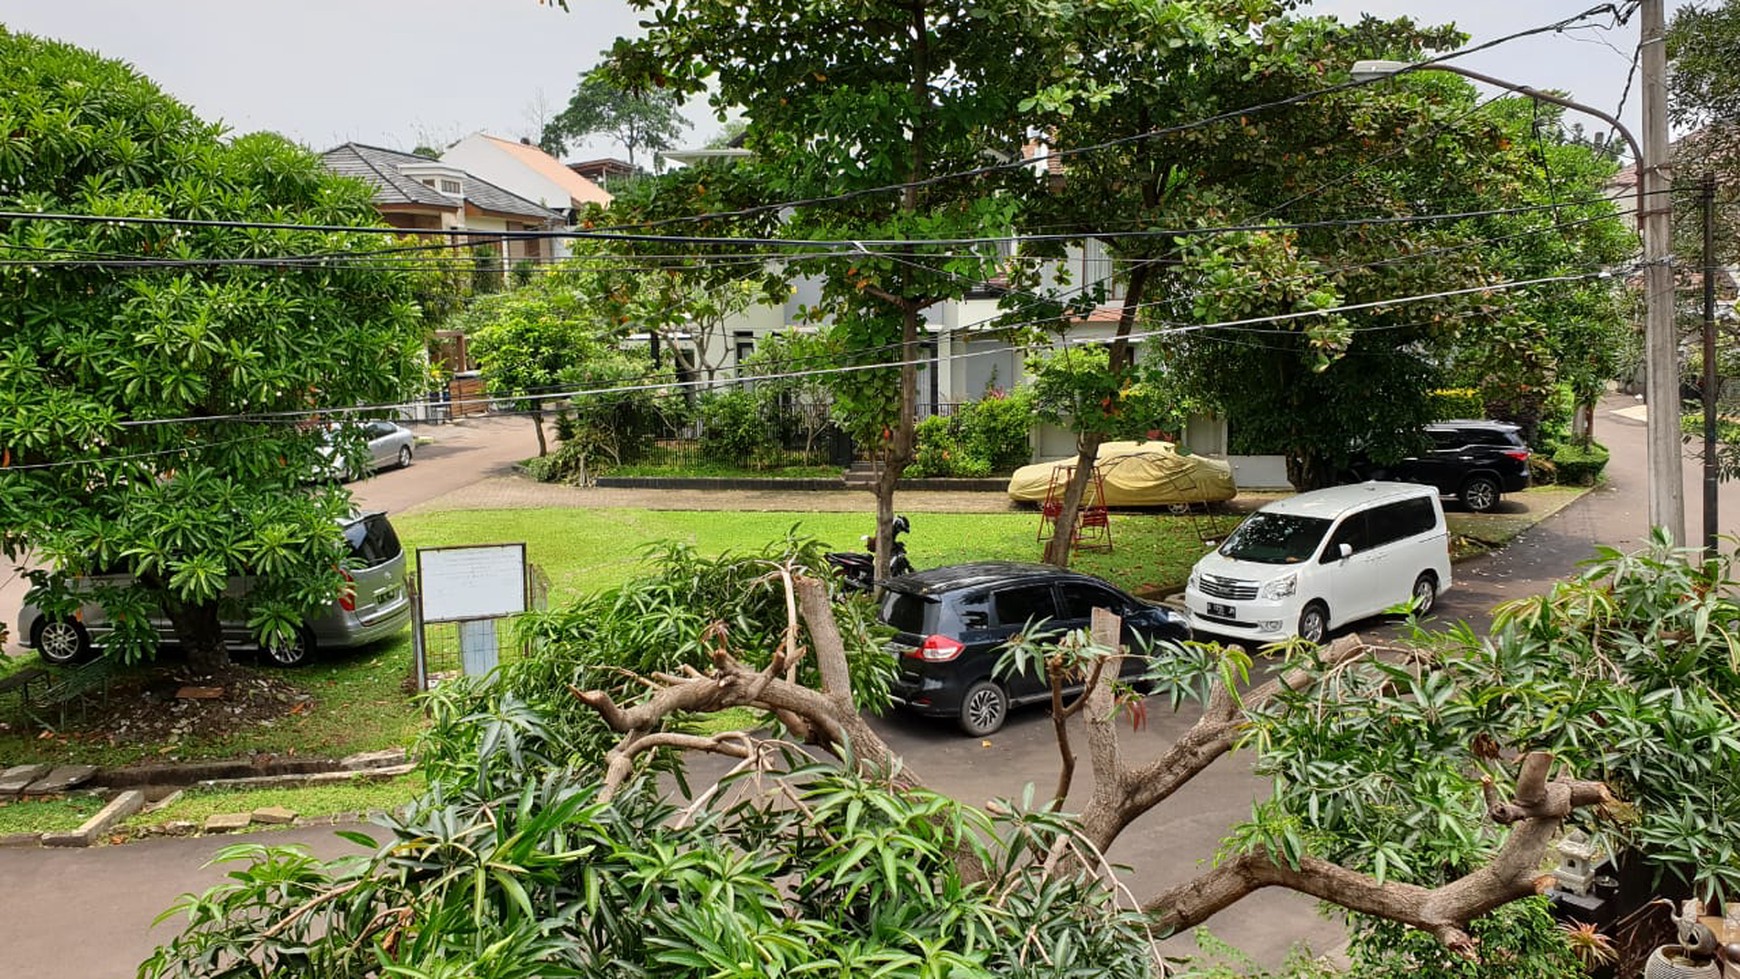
(404, 456)
(1314, 622)
(293, 651)
(1479, 494)
(62, 642)
(1425, 593)
(983, 709)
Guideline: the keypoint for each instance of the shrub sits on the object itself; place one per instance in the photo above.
(1457, 403)
(733, 428)
(995, 429)
(982, 437)
(1579, 465)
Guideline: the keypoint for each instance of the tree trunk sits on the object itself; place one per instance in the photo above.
(1118, 360)
(1062, 542)
(1309, 472)
(538, 423)
(899, 452)
(201, 633)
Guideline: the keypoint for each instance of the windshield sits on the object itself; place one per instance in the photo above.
(1275, 538)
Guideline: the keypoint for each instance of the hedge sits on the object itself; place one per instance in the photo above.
(1579, 465)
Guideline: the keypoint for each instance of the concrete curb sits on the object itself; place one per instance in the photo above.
(315, 778)
(119, 808)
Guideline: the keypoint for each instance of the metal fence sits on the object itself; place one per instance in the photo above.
(439, 648)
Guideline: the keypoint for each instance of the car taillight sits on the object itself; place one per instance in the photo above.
(938, 649)
(347, 598)
(1520, 455)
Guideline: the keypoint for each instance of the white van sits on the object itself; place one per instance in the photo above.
(1309, 563)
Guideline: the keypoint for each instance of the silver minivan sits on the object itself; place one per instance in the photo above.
(374, 606)
(1303, 565)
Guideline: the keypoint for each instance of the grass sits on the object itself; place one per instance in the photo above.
(195, 805)
(722, 470)
(587, 550)
(48, 815)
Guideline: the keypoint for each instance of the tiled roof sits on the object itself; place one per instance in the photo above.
(580, 190)
(381, 167)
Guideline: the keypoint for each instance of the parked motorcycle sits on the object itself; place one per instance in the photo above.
(857, 569)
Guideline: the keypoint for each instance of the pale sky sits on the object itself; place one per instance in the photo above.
(400, 72)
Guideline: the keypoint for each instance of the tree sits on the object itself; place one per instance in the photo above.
(542, 844)
(157, 419)
(852, 114)
(554, 334)
(649, 119)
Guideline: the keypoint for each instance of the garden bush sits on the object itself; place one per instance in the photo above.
(981, 438)
(1450, 403)
(733, 427)
(1578, 465)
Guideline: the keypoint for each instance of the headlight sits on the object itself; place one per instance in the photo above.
(1195, 580)
(1282, 587)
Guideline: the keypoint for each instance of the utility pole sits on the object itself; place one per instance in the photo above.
(1660, 350)
(1707, 197)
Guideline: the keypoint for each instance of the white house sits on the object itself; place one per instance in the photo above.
(529, 172)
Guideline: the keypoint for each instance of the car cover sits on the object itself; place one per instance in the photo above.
(1138, 474)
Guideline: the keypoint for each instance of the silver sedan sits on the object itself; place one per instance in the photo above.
(389, 445)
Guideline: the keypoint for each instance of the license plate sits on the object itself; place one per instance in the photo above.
(1222, 611)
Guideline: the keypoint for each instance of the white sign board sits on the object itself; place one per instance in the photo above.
(461, 583)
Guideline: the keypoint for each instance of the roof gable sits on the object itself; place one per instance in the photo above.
(580, 191)
(385, 169)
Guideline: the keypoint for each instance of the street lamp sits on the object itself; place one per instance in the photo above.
(1661, 353)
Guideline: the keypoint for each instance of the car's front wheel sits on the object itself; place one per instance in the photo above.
(292, 651)
(1479, 494)
(62, 642)
(1314, 623)
(404, 456)
(983, 709)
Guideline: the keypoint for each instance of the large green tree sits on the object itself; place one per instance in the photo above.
(155, 413)
(850, 113)
(640, 120)
(1349, 181)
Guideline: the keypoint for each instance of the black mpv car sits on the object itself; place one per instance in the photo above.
(1474, 461)
(951, 624)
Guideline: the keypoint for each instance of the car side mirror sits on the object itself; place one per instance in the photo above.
(1346, 550)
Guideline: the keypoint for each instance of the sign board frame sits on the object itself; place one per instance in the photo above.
(466, 583)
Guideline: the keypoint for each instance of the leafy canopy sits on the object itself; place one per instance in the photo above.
(120, 386)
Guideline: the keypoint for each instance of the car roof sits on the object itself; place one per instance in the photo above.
(1335, 501)
(1486, 423)
(977, 574)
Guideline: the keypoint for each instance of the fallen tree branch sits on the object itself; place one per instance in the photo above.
(1535, 815)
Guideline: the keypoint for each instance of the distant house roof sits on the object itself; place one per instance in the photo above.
(580, 190)
(604, 169)
(385, 169)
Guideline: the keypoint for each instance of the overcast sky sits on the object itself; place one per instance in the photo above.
(402, 72)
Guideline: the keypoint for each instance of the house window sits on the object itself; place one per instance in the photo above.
(744, 343)
(429, 183)
(449, 186)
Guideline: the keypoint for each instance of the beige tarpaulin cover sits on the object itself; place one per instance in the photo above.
(1138, 474)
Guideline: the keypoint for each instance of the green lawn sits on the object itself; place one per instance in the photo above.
(48, 815)
(345, 799)
(587, 550)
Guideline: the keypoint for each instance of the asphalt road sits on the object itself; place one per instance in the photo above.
(88, 913)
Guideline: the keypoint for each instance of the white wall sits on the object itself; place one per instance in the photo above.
(478, 155)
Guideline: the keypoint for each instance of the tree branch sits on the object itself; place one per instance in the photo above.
(1535, 815)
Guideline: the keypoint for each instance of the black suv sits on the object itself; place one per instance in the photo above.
(951, 624)
(1474, 461)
